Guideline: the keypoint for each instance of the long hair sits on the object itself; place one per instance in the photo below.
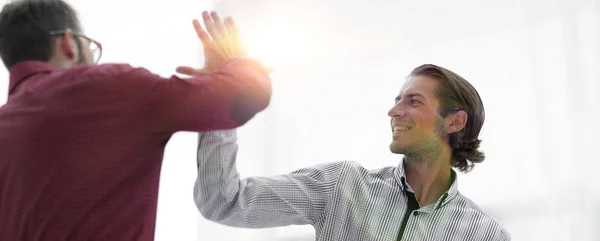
(455, 93)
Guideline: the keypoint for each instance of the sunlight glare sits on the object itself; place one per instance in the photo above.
(277, 46)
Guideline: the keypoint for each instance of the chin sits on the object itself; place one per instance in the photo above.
(397, 148)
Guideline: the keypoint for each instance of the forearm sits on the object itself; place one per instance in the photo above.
(222, 100)
(253, 84)
(217, 184)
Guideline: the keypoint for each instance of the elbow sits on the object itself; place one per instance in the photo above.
(216, 208)
(254, 90)
(209, 209)
(248, 103)
(208, 213)
(213, 208)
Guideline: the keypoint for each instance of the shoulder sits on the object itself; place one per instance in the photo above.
(117, 77)
(101, 70)
(355, 168)
(112, 70)
(112, 82)
(480, 218)
(120, 73)
(352, 170)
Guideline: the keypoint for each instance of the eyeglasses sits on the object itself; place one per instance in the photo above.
(95, 46)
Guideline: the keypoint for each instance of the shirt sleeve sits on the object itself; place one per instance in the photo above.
(503, 235)
(222, 100)
(297, 198)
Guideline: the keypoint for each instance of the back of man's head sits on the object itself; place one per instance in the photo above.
(25, 27)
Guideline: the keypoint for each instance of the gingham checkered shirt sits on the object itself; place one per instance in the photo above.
(342, 200)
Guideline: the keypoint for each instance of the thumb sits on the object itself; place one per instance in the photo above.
(185, 70)
(270, 69)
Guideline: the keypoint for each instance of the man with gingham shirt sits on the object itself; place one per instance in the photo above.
(435, 124)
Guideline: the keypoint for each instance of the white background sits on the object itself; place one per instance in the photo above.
(339, 65)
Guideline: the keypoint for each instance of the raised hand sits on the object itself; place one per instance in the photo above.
(221, 42)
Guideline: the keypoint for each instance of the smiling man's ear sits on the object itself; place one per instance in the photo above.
(455, 122)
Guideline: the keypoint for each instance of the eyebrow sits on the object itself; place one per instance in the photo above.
(412, 95)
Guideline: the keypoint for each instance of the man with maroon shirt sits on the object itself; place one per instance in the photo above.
(81, 144)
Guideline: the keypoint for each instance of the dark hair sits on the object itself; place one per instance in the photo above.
(455, 93)
(25, 27)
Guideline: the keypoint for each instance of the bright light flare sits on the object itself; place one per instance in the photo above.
(277, 45)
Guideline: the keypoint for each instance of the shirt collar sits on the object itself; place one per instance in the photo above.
(20, 71)
(400, 177)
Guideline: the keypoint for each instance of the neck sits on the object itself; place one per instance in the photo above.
(429, 175)
(60, 64)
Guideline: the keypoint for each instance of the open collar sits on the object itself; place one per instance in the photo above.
(451, 193)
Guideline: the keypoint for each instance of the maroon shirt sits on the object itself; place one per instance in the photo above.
(81, 148)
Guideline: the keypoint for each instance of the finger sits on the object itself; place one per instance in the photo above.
(234, 35)
(232, 28)
(219, 27)
(202, 35)
(210, 25)
(185, 70)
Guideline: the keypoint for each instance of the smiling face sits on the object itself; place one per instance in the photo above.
(438, 114)
(416, 123)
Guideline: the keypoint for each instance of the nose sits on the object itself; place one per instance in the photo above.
(396, 110)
